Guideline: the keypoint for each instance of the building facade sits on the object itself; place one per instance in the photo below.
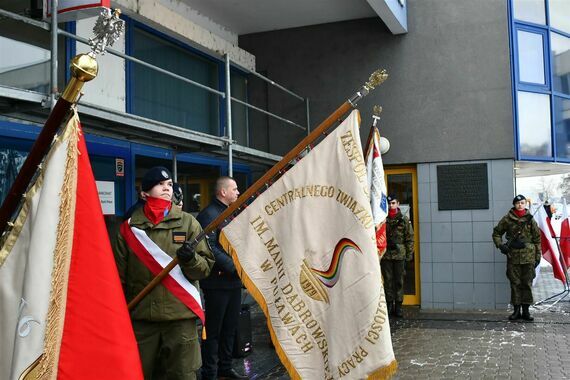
(478, 95)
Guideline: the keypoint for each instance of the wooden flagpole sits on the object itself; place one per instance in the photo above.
(377, 78)
(108, 28)
(83, 69)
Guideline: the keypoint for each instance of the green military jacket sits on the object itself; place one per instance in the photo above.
(526, 231)
(400, 237)
(160, 304)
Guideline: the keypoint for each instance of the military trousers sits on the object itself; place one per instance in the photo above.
(168, 349)
(393, 272)
(520, 277)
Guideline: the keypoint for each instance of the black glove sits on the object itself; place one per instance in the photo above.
(536, 263)
(504, 249)
(518, 244)
(185, 253)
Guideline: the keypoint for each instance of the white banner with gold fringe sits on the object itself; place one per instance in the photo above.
(306, 250)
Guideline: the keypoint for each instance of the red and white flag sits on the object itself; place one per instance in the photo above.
(62, 310)
(377, 188)
(548, 242)
(565, 235)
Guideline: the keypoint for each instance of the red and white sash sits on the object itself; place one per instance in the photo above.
(155, 259)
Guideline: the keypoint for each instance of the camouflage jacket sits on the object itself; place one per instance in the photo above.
(400, 237)
(523, 238)
(160, 304)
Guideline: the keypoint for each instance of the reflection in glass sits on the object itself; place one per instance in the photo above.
(560, 46)
(559, 13)
(531, 60)
(11, 162)
(26, 67)
(529, 10)
(562, 125)
(534, 124)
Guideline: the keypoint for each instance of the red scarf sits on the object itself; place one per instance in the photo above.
(155, 209)
(392, 213)
(520, 213)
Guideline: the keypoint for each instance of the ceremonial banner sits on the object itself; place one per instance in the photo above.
(306, 250)
(377, 188)
(62, 310)
(565, 235)
(547, 242)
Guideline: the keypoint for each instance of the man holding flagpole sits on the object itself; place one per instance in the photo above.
(165, 320)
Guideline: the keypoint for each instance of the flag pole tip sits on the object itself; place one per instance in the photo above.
(83, 68)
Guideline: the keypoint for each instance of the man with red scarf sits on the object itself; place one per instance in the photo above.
(523, 254)
(400, 237)
(165, 320)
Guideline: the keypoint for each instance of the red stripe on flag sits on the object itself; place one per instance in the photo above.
(565, 241)
(550, 256)
(155, 268)
(98, 340)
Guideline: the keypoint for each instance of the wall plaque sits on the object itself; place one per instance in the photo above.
(462, 187)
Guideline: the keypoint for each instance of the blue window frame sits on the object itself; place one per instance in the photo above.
(540, 102)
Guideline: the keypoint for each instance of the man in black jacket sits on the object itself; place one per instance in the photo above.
(222, 293)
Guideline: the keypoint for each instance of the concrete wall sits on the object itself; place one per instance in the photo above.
(449, 92)
(459, 265)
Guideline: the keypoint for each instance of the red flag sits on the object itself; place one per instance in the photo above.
(565, 235)
(548, 244)
(62, 309)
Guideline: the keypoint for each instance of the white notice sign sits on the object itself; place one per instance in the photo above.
(107, 196)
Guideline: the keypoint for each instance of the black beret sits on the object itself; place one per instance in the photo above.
(153, 176)
(177, 195)
(518, 198)
(392, 197)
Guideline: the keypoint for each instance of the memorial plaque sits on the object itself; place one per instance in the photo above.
(462, 187)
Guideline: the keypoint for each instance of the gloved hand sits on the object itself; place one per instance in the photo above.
(185, 253)
(504, 249)
(536, 262)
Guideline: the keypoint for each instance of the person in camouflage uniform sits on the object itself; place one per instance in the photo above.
(523, 254)
(400, 237)
(165, 328)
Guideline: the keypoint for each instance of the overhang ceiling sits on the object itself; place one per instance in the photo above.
(537, 169)
(253, 16)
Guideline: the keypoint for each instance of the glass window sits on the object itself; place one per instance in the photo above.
(560, 46)
(562, 125)
(239, 111)
(534, 124)
(164, 98)
(26, 67)
(12, 157)
(531, 57)
(529, 10)
(559, 13)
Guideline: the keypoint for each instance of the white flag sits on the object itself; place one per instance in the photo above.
(306, 250)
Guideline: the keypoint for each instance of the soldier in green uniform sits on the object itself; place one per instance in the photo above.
(400, 237)
(523, 254)
(164, 321)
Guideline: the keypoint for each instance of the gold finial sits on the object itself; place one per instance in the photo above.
(83, 68)
(377, 110)
(376, 78)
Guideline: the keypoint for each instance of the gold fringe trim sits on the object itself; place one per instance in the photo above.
(384, 373)
(62, 255)
(256, 294)
(10, 239)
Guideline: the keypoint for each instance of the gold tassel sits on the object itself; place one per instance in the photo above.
(62, 256)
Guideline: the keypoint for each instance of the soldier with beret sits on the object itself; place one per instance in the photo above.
(400, 238)
(164, 321)
(523, 252)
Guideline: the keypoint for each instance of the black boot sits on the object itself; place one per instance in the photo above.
(398, 310)
(516, 313)
(526, 314)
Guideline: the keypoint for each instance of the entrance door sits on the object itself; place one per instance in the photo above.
(402, 181)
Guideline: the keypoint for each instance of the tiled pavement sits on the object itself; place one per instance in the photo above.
(466, 345)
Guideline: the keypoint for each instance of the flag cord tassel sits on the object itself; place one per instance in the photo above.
(376, 78)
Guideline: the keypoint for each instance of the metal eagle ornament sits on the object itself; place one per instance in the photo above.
(108, 29)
